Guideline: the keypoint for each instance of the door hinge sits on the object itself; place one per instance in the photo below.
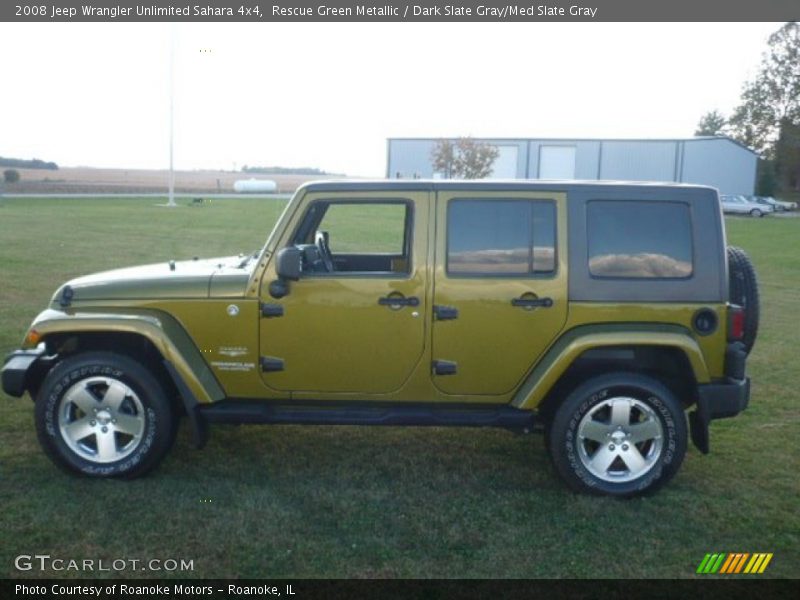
(445, 313)
(270, 364)
(444, 367)
(271, 310)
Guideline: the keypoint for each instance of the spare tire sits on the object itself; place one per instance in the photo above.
(743, 290)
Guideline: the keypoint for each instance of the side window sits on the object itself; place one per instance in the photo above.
(365, 228)
(500, 237)
(644, 239)
(339, 237)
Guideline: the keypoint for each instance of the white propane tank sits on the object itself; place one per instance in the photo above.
(244, 186)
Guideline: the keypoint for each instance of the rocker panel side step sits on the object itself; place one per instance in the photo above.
(264, 412)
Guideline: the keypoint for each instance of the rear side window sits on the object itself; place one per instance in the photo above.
(501, 237)
(649, 240)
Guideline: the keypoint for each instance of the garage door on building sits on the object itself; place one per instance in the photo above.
(505, 165)
(557, 162)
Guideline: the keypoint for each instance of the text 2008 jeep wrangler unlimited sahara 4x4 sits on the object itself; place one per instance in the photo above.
(597, 312)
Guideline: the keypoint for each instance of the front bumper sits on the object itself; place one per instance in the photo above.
(717, 401)
(16, 368)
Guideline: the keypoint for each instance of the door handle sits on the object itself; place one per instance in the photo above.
(398, 301)
(524, 302)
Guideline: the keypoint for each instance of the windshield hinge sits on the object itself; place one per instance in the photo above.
(271, 310)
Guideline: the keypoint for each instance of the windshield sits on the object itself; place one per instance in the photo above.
(280, 224)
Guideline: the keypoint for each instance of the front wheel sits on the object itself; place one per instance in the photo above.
(621, 434)
(756, 213)
(103, 415)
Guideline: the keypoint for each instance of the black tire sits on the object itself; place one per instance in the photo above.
(756, 213)
(91, 377)
(654, 406)
(743, 290)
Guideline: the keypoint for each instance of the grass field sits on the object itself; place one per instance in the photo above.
(289, 501)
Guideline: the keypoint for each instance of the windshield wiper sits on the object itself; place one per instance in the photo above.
(247, 259)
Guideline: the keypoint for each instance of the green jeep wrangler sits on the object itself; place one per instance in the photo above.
(597, 313)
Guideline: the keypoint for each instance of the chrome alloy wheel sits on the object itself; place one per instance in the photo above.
(620, 439)
(101, 419)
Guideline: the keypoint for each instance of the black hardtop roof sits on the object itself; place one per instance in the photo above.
(495, 185)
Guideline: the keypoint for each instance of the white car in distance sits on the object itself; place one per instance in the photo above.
(740, 205)
(780, 204)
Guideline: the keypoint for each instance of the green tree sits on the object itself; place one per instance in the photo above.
(11, 176)
(771, 101)
(442, 157)
(711, 123)
(787, 155)
(464, 159)
(766, 182)
(751, 122)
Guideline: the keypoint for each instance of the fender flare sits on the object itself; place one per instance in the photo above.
(177, 349)
(563, 353)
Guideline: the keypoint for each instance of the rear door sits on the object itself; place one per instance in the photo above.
(500, 294)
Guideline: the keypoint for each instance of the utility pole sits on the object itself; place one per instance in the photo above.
(171, 197)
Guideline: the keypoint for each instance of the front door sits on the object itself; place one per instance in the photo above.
(354, 322)
(500, 295)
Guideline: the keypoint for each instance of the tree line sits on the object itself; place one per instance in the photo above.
(21, 163)
(767, 118)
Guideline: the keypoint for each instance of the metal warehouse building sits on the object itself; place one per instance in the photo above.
(716, 161)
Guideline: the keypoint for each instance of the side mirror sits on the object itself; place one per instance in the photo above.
(288, 265)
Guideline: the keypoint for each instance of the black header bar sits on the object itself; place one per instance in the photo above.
(399, 11)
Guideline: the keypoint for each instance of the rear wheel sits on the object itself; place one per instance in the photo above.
(103, 415)
(621, 434)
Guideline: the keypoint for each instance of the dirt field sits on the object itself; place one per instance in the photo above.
(85, 180)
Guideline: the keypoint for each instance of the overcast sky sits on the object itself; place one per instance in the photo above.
(328, 95)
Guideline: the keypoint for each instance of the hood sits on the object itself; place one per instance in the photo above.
(181, 279)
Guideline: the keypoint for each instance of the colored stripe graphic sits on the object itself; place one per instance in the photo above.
(703, 563)
(727, 564)
(716, 565)
(755, 562)
(731, 566)
(764, 564)
(734, 563)
(711, 563)
(740, 564)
